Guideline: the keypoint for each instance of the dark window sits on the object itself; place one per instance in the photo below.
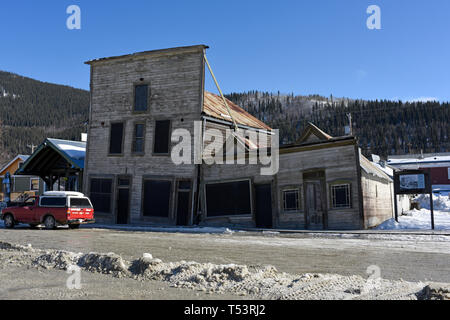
(231, 198)
(138, 139)
(53, 202)
(162, 132)
(80, 203)
(124, 182)
(116, 138)
(141, 97)
(341, 196)
(291, 200)
(184, 185)
(156, 201)
(101, 190)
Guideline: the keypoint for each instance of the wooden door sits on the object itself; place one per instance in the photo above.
(263, 208)
(314, 205)
(184, 202)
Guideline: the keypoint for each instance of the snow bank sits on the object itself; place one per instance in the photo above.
(418, 220)
(440, 202)
(165, 229)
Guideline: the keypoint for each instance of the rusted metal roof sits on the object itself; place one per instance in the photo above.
(213, 106)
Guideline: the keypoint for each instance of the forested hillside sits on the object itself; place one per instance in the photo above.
(31, 111)
(382, 127)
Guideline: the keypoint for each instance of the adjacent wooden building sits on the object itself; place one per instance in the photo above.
(139, 100)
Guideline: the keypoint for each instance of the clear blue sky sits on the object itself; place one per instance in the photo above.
(304, 47)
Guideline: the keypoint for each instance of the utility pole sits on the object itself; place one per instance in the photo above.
(32, 147)
(349, 116)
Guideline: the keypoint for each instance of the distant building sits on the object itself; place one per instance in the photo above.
(59, 163)
(438, 164)
(20, 185)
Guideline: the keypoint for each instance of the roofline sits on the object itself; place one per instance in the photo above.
(332, 140)
(346, 141)
(166, 51)
(47, 142)
(12, 161)
(242, 126)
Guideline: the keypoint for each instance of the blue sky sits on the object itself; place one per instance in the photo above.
(304, 47)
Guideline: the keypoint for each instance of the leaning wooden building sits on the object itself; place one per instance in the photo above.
(139, 100)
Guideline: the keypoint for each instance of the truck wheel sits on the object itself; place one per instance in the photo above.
(74, 226)
(9, 221)
(50, 223)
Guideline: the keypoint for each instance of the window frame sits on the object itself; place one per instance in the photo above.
(299, 199)
(144, 133)
(137, 84)
(38, 184)
(448, 173)
(236, 216)
(111, 200)
(169, 147)
(123, 139)
(171, 198)
(349, 196)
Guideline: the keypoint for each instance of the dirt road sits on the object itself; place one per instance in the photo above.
(411, 258)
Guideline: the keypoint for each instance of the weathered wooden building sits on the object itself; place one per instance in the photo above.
(139, 100)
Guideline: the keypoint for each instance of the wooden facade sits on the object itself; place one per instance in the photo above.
(320, 183)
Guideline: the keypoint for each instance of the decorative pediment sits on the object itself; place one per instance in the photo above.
(313, 134)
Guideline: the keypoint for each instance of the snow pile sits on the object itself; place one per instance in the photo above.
(418, 220)
(211, 230)
(440, 202)
(259, 282)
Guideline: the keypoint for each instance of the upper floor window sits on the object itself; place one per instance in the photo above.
(340, 196)
(162, 137)
(139, 138)
(141, 97)
(116, 138)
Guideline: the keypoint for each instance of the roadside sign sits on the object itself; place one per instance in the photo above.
(413, 182)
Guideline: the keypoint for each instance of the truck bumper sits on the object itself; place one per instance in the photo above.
(81, 221)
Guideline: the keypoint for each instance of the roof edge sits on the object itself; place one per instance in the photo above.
(167, 51)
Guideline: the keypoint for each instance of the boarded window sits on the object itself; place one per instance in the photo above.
(141, 97)
(162, 137)
(156, 201)
(340, 195)
(228, 199)
(53, 202)
(291, 200)
(116, 138)
(139, 139)
(101, 191)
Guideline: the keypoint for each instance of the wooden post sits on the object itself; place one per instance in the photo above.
(395, 206)
(432, 210)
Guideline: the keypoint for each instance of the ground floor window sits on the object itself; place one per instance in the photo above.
(156, 198)
(291, 200)
(100, 194)
(34, 184)
(225, 199)
(340, 195)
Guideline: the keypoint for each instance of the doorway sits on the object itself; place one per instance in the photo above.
(315, 212)
(263, 208)
(183, 202)
(123, 200)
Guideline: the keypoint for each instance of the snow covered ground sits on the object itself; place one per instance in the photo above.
(421, 219)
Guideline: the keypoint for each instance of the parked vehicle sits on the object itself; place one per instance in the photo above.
(52, 209)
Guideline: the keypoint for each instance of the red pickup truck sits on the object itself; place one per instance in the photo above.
(52, 209)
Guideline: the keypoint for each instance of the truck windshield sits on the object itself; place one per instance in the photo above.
(80, 203)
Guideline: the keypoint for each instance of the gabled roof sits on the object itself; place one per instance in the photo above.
(371, 169)
(55, 155)
(214, 107)
(20, 156)
(313, 134)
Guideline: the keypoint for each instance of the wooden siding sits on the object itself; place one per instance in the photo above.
(176, 85)
(378, 200)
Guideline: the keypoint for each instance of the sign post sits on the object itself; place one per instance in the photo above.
(413, 182)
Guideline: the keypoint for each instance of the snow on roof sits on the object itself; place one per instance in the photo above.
(425, 160)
